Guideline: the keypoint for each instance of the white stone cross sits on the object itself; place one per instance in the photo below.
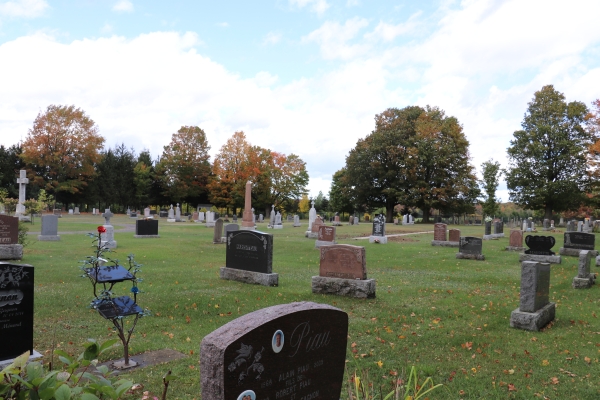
(22, 181)
(107, 214)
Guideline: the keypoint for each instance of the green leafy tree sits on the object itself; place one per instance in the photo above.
(491, 178)
(10, 164)
(547, 158)
(340, 197)
(184, 168)
(143, 178)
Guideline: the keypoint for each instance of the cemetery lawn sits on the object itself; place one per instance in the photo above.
(448, 317)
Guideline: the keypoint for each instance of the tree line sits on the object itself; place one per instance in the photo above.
(418, 157)
(63, 155)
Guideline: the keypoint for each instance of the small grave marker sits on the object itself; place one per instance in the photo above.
(470, 248)
(10, 249)
(49, 229)
(584, 278)
(146, 228)
(574, 242)
(378, 233)
(326, 236)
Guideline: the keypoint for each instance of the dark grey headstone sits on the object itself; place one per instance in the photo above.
(540, 245)
(249, 251)
(245, 358)
(218, 231)
(488, 228)
(231, 228)
(146, 227)
(49, 225)
(580, 240)
(379, 226)
(470, 245)
(16, 310)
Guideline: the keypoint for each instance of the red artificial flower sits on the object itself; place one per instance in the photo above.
(101, 229)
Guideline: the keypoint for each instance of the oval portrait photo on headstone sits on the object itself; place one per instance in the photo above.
(247, 395)
(277, 342)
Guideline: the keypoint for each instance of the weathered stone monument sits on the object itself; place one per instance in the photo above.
(248, 216)
(454, 238)
(535, 311)
(278, 223)
(314, 230)
(488, 230)
(343, 272)
(296, 221)
(16, 311)
(218, 233)
(289, 351)
(575, 242)
(249, 258)
(378, 232)
(76, 211)
(498, 229)
(146, 229)
(272, 217)
(171, 215)
(49, 231)
(585, 279)
(107, 239)
(312, 216)
(210, 219)
(326, 236)
(147, 213)
(470, 248)
(515, 240)
(229, 228)
(407, 219)
(20, 210)
(539, 249)
(177, 213)
(336, 220)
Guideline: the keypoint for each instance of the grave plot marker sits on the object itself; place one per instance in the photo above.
(535, 311)
(585, 279)
(574, 242)
(289, 351)
(10, 249)
(470, 248)
(378, 233)
(515, 240)
(326, 236)
(539, 249)
(146, 228)
(343, 272)
(249, 258)
(440, 237)
(49, 231)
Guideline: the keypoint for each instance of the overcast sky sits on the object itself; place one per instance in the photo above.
(297, 76)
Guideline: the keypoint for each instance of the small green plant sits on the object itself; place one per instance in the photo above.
(361, 388)
(23, 237)
(80, 378)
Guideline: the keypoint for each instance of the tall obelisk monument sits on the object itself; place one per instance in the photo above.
(247, 220)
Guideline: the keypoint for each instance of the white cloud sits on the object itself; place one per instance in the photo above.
(389, 32)
(23, 8)
(352, 3)
(317, 6)
(272, 38)
(106, 28)
(123, 6)
(333, 38)
(223, 24)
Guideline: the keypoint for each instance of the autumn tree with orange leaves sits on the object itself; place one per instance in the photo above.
(276, 178)
(62, 149)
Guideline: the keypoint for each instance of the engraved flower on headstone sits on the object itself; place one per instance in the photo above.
(245, 355)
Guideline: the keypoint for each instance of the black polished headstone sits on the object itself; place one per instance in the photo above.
(16, 310)
(163, 214)
(277, 353)
(488, 228)
(540, 245)
(146, 227)
(379, 226)
(470, 245)
(249, 251)
(580, 240)
(109, 273)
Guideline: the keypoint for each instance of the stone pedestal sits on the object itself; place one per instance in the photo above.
(514, 248)
(381, 239)
(540, 258)
(107, 239)
(466, 256)
(535, 311)
(444, 243)
(584, 279)
(11, 252)
(358, 288)
(257, 278)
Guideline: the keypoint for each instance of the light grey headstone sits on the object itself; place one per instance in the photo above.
(49, 228)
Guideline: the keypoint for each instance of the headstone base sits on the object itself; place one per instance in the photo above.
(497, 235)
(247, 228)
(49, 238)
(210, 224)
(145, 236)
(170, 219)
(533, 321)
(565, 251)
(444, 243)
(539, 258)
(311, 235)
(465, 256)
(584, 283)
(335, 224)
(34, 356)
(488, 237)
(296, 225)
(360, 289)
(11, 252)
(380, 239)
(320, 243)
(257, 278)
(223, 240)
(278, 227)
(514, 248)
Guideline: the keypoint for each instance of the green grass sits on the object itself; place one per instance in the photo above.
(448, 317)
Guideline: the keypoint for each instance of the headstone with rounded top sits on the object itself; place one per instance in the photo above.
(10, 249)
(326, 236)
(540, 249)
(296, 221)
(278, 223)
(515, 240)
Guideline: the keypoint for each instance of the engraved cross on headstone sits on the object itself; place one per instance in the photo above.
(107, 215)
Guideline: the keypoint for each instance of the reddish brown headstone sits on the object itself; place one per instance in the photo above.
(336, 218)
(9, 230)
(439, 232)
(454, 235)
(315, 226)
(516, 238)
(326, 233)
(343, 261)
